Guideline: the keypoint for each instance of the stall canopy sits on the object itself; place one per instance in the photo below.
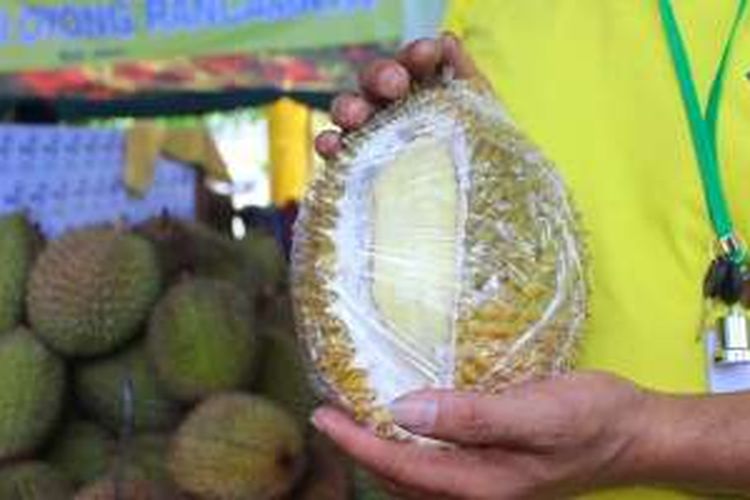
(146, 57)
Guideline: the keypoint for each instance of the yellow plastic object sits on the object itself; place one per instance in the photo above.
(440, 249)
(146, 140)
(290, 139)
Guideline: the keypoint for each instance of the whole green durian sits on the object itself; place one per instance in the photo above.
(33, 481)
(17, 248)
(82, 451)
(237, 446)
(195, 248)
(201, 339)
(283, 375)
(121, 392)
(91, 290)
(266, 259)
(32, 386)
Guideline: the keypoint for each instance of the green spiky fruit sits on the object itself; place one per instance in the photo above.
(33, 481)
(328, 477)
(33, 384)
(266, 259)
(147, 457)
(17, 239)
(91, 290)
(283, 376)
(122, 390)
(195, 248)
(237, 446)
(82, 451)
(201, 339)
(127, 489)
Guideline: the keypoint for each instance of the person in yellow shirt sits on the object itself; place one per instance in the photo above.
(626, 98)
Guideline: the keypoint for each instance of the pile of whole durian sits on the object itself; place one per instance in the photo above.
(153, 362)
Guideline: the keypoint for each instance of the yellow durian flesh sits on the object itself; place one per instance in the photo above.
(439, 250)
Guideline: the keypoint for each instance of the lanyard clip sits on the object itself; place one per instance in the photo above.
(733, 247)
(734, 340)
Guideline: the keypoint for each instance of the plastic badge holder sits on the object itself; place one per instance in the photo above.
(439, 250)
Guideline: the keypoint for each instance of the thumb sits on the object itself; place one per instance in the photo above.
(469, 418)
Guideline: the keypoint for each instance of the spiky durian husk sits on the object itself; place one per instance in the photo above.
(283, 374)
(122, 392)
(33, 481)
(82, 451)
(33, 385)
(128, 489)
(190, 247)
(201, 339)
(17, 250)
(91, 290)
(237, 446)
(520, 298)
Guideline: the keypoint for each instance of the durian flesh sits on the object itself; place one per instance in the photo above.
(439, 250)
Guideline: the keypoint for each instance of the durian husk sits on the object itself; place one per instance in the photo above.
(521, 299)
(237, 445)
(33, 480)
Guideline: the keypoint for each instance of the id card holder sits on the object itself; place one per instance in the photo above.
(728, 353)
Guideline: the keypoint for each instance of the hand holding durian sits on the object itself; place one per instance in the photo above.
(440, 289)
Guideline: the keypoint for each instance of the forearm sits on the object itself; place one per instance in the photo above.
(695, 442)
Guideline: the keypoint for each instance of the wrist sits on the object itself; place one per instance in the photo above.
(648, 445)
(652, 433)
(686, 441)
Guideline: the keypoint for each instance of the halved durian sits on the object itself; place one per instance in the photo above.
(440, 249)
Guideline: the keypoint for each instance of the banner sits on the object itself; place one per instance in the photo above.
(70, 177)
(46, 34)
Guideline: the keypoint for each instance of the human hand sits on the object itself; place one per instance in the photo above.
(388, 80)
(544, 439)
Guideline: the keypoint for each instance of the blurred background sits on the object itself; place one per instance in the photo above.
(187, 124)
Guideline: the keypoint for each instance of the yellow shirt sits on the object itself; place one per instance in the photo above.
(592, 82)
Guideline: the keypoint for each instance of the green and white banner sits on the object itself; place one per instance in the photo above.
(37, 34)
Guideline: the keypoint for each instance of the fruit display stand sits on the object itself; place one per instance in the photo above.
(143, 355)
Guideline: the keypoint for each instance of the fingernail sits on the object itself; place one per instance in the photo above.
(391, 80)
(318, 421)
(418, 415)
(449, 39)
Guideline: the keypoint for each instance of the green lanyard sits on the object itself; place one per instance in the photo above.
(703, 127)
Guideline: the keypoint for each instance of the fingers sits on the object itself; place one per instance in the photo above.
(471, 418)
(456, 56)
(387, 80)
(351, 111)
(409, 465)
(422, 58)
(328, 144)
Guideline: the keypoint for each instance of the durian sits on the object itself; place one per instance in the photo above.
(146, 457)
(201, 339)
(237, 446)
(328, 476)
(127, 489)
(33, 481)
(188, 247)
(283, 375)
(266, 259)
(122, 392)
(82, 451)
(31, 393)
(439, 249)
(92, 289)
(17, 248)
